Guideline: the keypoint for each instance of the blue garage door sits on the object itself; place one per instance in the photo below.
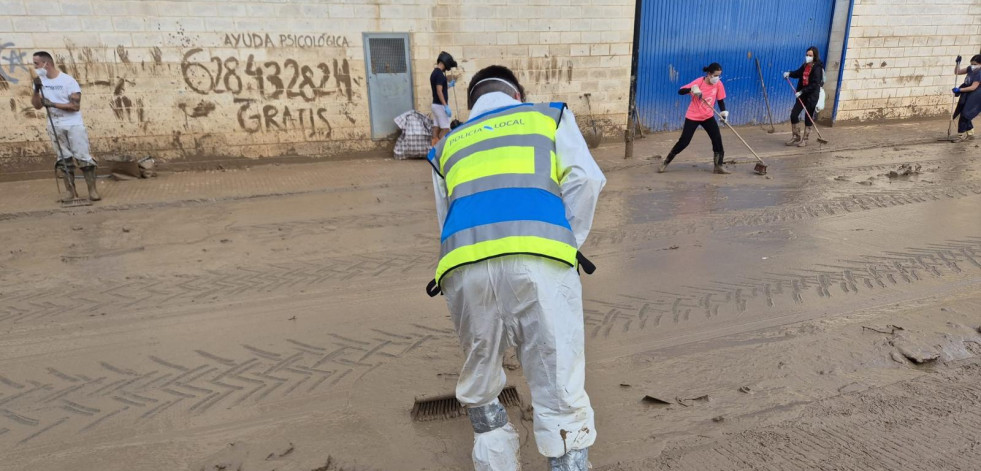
(677, 39)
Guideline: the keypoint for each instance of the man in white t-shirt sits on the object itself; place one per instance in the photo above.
(61, 95)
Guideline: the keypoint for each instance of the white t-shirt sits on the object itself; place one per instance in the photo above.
(58, 90)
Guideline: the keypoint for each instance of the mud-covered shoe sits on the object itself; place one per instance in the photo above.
(663, 168)
(68, 177)
(89, 173)
(795, 129)
(721, 170)
(804, 137)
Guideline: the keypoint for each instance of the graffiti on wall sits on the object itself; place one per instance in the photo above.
(11, 60)
(265, 40)
(296, 84)
(250, 81)
(272, 79)
(253, 118)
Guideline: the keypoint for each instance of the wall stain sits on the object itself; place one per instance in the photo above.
(123, 54)
(546, 70)
(200, 110)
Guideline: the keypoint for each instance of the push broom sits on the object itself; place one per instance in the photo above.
(760, 167)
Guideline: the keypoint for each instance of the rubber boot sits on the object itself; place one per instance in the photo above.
(573, 460)
(719, 169)
(969, 135)
(664, 165)
(803, 138)
(89, 173)
(795, 129)
(68, 176)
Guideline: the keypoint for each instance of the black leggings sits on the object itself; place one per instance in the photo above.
(795, 113)
(710, 126)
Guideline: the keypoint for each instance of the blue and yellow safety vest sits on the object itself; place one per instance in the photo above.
(502, 182)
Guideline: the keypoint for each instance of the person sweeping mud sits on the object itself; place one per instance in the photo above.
(705, 92)
(810, 77)
(60, 94)
(969, 99)
(516, 190)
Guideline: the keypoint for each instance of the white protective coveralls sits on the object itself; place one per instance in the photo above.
(534, 304)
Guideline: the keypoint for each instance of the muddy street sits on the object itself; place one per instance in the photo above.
(825, 316)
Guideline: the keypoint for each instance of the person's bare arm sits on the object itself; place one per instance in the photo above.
(971, 88)
(439, 93)
(74, 103)
(36, 97)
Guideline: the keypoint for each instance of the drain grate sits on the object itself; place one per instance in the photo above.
(447, 407)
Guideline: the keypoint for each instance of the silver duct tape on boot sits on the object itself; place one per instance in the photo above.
(574, 460)
(488, 417)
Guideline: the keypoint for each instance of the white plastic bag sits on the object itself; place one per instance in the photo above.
(820, 103)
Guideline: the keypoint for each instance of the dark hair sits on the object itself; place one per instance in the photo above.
(475, 91)
(976, 58)
(817, 55)
(712, 68)
(44, 55)
(446, 59)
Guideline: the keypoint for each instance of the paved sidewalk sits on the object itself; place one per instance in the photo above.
(38, 197)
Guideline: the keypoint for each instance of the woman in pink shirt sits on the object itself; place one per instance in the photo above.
(705, 93)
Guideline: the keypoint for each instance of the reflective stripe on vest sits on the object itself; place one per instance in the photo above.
(502, 182)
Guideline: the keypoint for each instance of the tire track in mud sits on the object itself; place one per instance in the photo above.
(850, 204)
(933, 422)
(235, 283)
(292, 276)
(110, 392)
(321, 226)
(889, 271)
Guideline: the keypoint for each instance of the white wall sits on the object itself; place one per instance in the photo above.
(149, 69)
(900, 57)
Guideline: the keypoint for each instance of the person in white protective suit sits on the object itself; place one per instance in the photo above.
(516, 189)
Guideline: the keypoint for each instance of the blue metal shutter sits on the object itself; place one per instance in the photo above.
(677, 39)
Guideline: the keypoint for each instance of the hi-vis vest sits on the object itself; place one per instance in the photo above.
(503, 187)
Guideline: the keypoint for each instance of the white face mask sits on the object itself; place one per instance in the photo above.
(713, 80)
(43, 73)
(975, 67)
(808, 59)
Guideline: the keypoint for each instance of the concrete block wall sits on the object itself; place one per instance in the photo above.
(197, 80)
(900, 56)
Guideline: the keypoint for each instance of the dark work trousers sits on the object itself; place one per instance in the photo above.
(811, 103)
(710, 126)
(968, 108)
(964, 124)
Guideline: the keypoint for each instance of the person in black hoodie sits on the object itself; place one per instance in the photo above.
(810, 77)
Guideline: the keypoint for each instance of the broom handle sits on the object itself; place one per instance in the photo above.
(802, 105)
(726, 124)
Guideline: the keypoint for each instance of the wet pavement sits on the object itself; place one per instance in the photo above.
(275, 317)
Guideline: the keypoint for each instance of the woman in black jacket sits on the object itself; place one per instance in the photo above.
(810, 77)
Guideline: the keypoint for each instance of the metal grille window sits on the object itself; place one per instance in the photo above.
(387, 55)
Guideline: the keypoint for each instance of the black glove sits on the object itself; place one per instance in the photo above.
(958, 60)
(37, 84)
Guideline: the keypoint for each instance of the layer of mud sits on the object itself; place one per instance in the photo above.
(277, 320)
